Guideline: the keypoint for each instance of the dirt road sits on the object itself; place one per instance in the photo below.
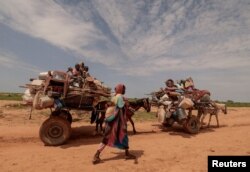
(157, 149)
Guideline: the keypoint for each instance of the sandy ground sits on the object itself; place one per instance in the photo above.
(156, 148)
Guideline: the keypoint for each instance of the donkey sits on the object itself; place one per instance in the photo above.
(99, 109)
(212, 110)
(133, 106)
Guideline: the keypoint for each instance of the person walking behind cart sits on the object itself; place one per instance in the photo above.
(115, 134)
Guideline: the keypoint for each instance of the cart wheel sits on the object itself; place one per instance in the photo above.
(192, 125)
(63, 114)
(55, 131)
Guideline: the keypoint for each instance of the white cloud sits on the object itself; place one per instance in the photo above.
(49, 21)
(9, 60)
(141, 37)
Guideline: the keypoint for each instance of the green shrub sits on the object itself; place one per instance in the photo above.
(11, 96)
(231, 103)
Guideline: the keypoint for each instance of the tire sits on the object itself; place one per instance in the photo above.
(55, 131)
(192, 125)
(63, 114)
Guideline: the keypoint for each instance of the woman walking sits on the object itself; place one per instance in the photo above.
(115, 134)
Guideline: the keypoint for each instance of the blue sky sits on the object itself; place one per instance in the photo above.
(139, 43)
